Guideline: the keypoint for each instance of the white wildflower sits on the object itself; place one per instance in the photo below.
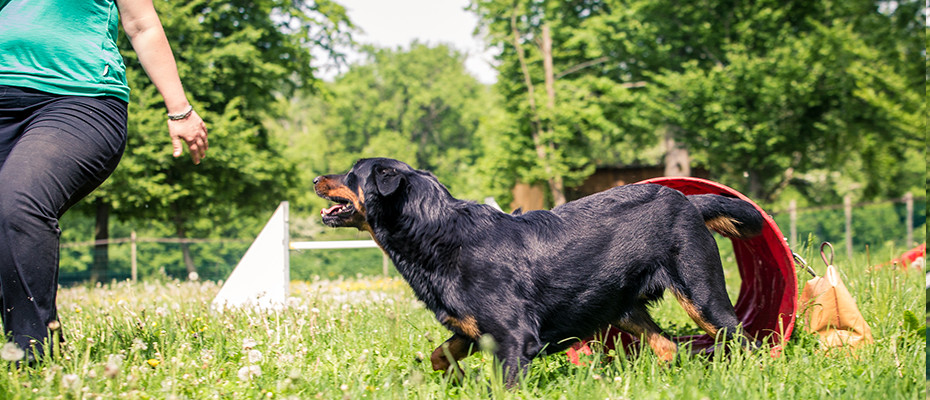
(249, 343)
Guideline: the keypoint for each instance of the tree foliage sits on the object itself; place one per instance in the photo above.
(826, 101)
(779, 99)
(822, 97)
(233, 58)
(585, 117)
(416, 104)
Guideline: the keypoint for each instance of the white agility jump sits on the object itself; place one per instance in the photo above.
(262, 277)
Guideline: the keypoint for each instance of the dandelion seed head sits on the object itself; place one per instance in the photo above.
(138, 345)
(70, 381)
(11, 352)
(249, 372)
(255, 356)
(293, 302)
(113, 365)
(249, 343)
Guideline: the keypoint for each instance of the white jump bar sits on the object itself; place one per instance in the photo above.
(335, 244)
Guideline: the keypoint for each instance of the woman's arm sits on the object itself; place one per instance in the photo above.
(148, 39)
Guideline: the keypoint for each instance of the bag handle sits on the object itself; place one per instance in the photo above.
(823, 254)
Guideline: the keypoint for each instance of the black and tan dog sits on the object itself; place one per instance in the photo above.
(536, 281)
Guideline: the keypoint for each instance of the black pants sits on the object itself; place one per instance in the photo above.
(54, 150)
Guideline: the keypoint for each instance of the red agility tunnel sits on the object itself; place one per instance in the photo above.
(767, 302)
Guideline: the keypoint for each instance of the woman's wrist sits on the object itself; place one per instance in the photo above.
(182, 115)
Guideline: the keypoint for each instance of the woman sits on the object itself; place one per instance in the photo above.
(63, 107)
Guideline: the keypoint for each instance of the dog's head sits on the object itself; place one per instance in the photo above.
(370, 180)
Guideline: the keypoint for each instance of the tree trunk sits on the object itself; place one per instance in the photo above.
(98, 272)
(556, 184)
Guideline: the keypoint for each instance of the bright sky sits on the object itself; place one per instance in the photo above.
(393, 23)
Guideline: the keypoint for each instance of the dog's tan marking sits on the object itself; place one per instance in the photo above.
(467, 326)
(725, 225)
(641, 325)
(695, 314)
(665, 349)
(447, 355)
(345, 193)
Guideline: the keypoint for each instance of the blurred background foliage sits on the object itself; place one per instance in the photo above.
(782, 100)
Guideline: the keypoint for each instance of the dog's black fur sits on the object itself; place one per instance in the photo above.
(536, 281)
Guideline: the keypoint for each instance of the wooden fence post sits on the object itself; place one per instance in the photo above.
(132, 256)
(793, 224)
(909, 203)
(847, 207)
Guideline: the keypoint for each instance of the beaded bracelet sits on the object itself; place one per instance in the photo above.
(183, 115)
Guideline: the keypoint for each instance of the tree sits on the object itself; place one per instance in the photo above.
(418, 105)
(233, 58)
(583, 115)
(768, 95)
(809, 103)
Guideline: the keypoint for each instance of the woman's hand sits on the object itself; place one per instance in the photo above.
(190, 130)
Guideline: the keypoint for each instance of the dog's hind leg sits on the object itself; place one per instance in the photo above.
(446, 356)
(698, 285)
(719, 330)
(640, 324)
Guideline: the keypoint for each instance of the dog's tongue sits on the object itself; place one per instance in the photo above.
(330, 210)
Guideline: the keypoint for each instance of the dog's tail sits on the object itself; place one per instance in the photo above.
(731, 217)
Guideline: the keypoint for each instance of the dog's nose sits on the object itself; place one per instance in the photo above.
(316, 180)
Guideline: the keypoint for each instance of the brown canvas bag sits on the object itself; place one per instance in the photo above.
(830, 311)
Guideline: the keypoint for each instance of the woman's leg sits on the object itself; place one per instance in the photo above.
(67, 148)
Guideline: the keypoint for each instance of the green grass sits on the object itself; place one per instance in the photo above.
(366, 338)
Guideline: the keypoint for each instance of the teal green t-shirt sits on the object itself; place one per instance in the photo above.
(63, 47)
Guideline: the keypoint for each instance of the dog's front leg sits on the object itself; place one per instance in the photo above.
(515, 356)
(445, 358)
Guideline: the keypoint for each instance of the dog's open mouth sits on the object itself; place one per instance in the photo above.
(339, 214)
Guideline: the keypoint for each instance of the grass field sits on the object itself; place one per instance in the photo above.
(369, 338)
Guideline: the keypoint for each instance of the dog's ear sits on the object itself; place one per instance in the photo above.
(388, 180)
